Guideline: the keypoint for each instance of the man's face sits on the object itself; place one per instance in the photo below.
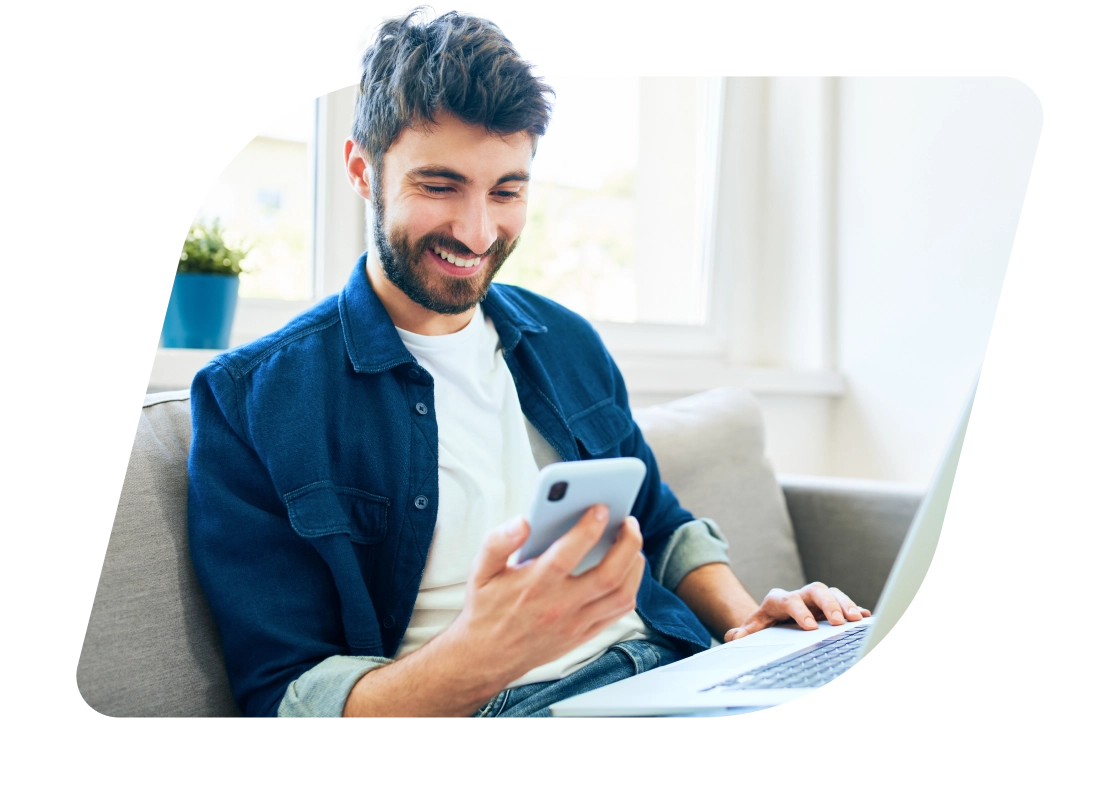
(449, 207)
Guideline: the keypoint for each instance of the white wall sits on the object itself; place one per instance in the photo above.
(866, 226)
(931, 175)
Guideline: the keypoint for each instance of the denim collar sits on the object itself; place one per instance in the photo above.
(371, 338)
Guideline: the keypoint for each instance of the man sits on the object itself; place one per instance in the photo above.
(353, 551)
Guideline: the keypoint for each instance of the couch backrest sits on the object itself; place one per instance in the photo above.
(152, 648)
(710, 449)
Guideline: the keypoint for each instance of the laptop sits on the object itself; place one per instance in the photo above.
(784, 662)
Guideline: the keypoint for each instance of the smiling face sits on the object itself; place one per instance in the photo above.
(451, 205)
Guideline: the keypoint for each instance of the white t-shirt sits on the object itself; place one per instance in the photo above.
(486, 476)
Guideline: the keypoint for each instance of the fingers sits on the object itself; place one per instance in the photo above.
(796, 610)
(852, 612)
(755, 623)
(497, 547)
(774, 609)
(800, 606)
(606, 576)
(609, 607)
(821, 597)
(565, 553)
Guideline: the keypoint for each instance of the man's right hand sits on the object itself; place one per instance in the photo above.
(519, 616)
(515, 617)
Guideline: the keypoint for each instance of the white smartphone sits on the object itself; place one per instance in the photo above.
(566, 490)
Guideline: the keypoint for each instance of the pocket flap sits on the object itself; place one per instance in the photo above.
(323, 509)
(601, 427)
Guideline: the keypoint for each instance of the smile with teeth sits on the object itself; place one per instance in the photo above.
(454, 259)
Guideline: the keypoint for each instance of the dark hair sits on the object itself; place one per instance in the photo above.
(458, 64)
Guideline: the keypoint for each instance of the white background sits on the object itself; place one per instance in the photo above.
(117, 119)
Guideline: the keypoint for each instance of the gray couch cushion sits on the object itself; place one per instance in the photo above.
(709, 447)
(152, 648)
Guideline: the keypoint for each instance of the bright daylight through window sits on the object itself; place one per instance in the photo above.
(264, 201)
(618, 209)
(618, 213)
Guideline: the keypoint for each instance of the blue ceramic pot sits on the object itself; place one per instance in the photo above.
(200, 313)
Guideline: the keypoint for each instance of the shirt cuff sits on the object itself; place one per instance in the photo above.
(322, 690)
(692, 545)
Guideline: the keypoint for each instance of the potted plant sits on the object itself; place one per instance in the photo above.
(204, 296)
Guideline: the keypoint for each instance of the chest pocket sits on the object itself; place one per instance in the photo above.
(323, 509)
(601, 428)
(345, 526)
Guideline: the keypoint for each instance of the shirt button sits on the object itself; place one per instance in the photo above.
(389, 622)
(414, 373)
(420, 502)
(421, 408)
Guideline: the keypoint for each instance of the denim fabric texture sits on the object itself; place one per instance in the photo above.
(313, 479)
(623, 660)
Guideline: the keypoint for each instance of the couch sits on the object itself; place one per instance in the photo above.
(152, 649)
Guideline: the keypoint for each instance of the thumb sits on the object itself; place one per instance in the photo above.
(497, 547)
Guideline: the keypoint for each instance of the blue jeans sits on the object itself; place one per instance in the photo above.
(623, 660)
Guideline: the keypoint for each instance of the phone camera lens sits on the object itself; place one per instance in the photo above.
(557, 491)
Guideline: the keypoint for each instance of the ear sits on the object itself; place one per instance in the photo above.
(358, 170)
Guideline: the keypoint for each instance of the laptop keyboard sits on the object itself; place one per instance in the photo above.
(808, 668)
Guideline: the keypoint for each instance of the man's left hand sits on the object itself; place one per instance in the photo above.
(804, 606)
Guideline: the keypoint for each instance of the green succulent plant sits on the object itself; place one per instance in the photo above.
(206, 251)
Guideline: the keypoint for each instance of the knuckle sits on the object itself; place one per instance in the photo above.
(554, 565)
(552, 615)
(817, 586)
(603, 582)
(623, 603)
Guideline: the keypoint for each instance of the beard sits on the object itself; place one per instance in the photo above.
(402, 261)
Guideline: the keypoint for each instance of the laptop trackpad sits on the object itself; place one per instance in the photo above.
(730, 658)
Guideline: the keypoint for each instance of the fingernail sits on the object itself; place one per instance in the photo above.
(836, 615)
(853, 610)
(810, 622)
(600, 513)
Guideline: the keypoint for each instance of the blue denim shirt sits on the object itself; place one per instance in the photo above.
(313, 478)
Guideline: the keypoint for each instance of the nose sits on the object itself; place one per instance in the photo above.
(474, 226)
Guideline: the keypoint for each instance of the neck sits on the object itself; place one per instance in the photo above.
(409, 315)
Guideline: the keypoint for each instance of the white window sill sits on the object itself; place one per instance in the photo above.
(174, 367)
(687, 374)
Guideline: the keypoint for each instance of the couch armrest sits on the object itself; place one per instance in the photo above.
(849, 531)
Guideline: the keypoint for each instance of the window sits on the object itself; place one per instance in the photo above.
(264, 199)
(620, 212)
(622, 226)
(621, 200)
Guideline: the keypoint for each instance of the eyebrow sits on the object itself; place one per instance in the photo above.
(436, 171)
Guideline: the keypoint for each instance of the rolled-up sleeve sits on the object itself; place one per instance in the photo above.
(322, 691)
(692, 545)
